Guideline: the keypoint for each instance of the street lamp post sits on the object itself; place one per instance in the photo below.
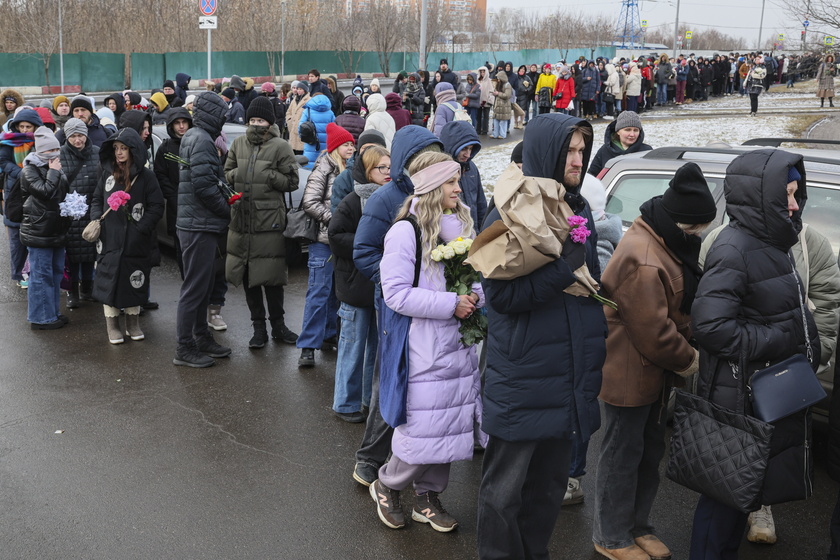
(283, 41)
(424, 16)
(60, 46)
(676, 29)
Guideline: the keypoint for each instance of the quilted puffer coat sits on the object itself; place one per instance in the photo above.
(84, 164)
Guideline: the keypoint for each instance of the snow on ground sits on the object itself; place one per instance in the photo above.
(665, 128)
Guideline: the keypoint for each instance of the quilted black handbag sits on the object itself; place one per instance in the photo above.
(300, 225)
(720, 453)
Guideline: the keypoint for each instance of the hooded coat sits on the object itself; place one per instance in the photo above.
(350, 120)
(293, 116)
(747, 309)
(394, 108)
(201, 205)
(126, 246)
(318, 110)
(119, 100)
(381, 209)
(83, 166)
(545, 348)
(446, 106)
(166, 171)
(4, 114)
(182, 84)
(502, 110)
(591, 83)
(161, 111)
(263, 169)
(486, 85)
(414, 99)
(246, 92)
(379, 119)
(337, 95)
(42, 189)
(565, 88)
(456, 136)
(612, 148)
(472, 91)
(443, 396)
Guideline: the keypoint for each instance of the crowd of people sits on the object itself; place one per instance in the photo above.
(392, 183)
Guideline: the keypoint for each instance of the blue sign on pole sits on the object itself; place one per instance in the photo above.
(208, 7)
(806, 23)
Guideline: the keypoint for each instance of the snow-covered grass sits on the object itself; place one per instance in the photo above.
(679, 127)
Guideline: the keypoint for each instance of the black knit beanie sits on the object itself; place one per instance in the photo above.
(169, 84)
(516, 154)
(688, 199)
(260, 107)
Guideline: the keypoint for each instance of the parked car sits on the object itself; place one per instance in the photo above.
(632, 179)
(294, 250)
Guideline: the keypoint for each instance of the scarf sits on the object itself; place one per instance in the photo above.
(685, 247)
(412, 87)
(364, 190)
(22, 143)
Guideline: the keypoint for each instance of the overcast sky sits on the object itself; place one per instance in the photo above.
(738, 18)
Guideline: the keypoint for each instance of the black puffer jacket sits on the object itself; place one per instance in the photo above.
(609, 150)
(126, 246)
(351, 286)
(83, 167)
(350, 120)
(167, 171)
(201, 205)
(747, 308)
(42, 189)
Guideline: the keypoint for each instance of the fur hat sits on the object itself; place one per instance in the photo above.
(336, 136)
(262, 108)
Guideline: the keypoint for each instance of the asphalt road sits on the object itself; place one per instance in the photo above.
(111, 452)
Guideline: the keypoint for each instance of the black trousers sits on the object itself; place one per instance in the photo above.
(273, 298)
(522, 488)
(483, 119)
(198, 253)
(754, 102)
(717, 531)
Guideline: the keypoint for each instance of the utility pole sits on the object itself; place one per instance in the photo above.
(423, 23)
(60, 46)
(283, 41)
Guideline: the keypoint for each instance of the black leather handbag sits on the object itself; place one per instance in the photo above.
(300, 225)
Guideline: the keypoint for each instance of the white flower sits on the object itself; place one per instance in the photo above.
(436, 255)
(468, 241)
(459, 247)
(74, 205)
(448, 252)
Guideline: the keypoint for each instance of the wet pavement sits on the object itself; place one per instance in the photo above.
(112, 452)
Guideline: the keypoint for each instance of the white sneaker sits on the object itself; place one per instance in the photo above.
(762, 528)
(574, 493)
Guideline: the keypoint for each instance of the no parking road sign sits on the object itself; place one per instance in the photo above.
(208, 7)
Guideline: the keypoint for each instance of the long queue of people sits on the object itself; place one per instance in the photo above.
(383, 202)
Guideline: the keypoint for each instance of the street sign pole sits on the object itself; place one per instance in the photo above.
(209, 50)
(208, 21)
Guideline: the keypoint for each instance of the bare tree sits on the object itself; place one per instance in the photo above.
(349, 36)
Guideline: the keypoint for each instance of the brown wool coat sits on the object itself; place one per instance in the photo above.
(648, 335)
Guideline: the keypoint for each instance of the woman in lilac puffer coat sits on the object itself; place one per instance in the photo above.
(442, 399)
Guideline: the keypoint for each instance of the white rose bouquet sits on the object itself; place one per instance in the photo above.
(459, 279)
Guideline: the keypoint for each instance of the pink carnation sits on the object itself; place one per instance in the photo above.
(579, 234)
(576, 221)
(118, 199)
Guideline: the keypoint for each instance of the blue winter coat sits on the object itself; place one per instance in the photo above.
(456, 136)
(382, 207)
(318, 110)
(545, 348)
(589, 88)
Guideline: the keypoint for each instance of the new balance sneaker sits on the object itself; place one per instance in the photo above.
(574, 493)
(387, 505)
(428, 509)
(762, 528)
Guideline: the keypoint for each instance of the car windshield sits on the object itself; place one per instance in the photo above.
(821, 211)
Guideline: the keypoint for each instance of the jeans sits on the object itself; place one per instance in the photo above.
(473, 113)
(376, 443)
(535, 108)
(717, 531)
(320, 310)
(628, 474)
(357, 347)
(46, 269)
(526, 106)
(601, 104)
(500, 128)
(17, 251)
(198, 252)
(81, 272)
(522, 488)
(661, 94)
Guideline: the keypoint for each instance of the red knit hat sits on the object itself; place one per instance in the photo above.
(336, 136)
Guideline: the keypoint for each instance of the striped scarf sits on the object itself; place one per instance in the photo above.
(22, 142)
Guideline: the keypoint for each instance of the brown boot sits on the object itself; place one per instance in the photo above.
(654, 547)
(132, 327)
(115, 333)
(631, 552)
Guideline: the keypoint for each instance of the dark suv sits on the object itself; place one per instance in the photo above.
(632, 179)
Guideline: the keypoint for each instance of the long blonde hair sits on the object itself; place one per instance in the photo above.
(429, 209)
(339, 161)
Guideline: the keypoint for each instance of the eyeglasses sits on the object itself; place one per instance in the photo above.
(384, 169)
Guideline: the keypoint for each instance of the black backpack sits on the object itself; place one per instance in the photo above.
(544, 97)
(308, 132)
(13, 199)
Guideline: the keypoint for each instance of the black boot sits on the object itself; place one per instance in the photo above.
(260, 337)
(86, 292)
(831, 102)
(822, 101)
(73, 296)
